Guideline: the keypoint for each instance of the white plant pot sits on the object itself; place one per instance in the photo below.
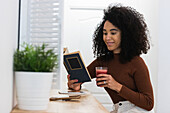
(33, 89)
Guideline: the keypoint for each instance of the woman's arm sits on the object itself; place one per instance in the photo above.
(144, 96)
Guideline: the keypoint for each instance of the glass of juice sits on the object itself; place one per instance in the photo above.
(101, 70)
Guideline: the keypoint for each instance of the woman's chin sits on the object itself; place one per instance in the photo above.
(110, 49)
(116, 50)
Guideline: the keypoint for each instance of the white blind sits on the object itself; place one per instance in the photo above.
(44, 26)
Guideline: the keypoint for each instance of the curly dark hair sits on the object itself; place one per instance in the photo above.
(134, 33)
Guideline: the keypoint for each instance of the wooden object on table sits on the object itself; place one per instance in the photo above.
(65, 98)
(86, 104)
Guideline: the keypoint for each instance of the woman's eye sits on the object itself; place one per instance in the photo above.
(113, 33)
(105, 33)
(110, 33)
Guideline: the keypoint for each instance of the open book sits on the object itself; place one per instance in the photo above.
(75, 67)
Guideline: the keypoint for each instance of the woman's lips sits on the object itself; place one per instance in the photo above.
(110, 43)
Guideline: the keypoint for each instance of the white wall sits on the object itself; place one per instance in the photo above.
(163, 105)
(8, 36)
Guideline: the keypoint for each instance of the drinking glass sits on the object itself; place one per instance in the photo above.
(101, 70)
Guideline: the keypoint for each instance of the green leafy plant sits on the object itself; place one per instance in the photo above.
(35, 59)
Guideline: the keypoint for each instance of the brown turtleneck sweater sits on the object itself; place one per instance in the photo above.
(134, 77)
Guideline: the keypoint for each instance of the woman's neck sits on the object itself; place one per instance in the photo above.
(117, 51)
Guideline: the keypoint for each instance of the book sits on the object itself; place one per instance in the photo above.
(75, 67)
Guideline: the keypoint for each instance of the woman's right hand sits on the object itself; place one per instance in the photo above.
(72, 85)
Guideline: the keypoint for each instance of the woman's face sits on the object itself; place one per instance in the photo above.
(112, 37)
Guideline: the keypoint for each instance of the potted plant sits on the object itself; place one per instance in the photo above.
(33, 66)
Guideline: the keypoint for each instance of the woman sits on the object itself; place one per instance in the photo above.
(119, 41)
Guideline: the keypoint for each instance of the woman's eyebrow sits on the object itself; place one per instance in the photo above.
(114, 30)
(111, 29)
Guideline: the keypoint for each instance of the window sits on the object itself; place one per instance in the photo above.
(40, 23)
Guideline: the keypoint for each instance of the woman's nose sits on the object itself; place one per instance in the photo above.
(108, 36)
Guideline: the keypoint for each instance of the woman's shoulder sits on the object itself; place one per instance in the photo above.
(95, 61)
(98, 61)
(137, 64)
(137, 60)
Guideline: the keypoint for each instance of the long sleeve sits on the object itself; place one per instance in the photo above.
(143, 97)
(134, 76)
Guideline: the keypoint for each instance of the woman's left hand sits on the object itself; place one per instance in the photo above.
(108, 81)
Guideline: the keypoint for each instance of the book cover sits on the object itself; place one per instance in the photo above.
(75, 67)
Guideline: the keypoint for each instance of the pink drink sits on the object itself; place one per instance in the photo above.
(101, 70)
